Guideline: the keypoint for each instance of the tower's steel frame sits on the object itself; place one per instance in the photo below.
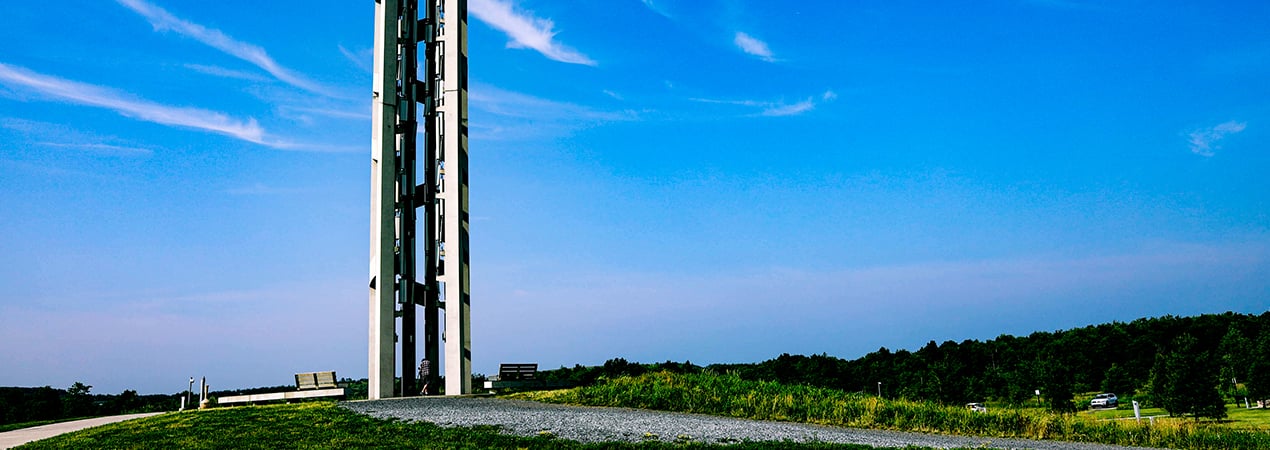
(401, 245)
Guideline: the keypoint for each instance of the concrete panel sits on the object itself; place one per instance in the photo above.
(382, 303)
(274, 396)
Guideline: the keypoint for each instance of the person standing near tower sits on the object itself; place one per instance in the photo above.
(425, 367)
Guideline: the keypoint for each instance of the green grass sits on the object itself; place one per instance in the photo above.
(326, 425)
(728, 395)
(1237, 417)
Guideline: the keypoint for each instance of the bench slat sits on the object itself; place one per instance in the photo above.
(315, 380)
(326, 380)
(517, 371)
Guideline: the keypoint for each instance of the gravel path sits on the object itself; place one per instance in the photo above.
(590, 424)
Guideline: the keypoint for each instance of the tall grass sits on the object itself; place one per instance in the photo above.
(729, 395)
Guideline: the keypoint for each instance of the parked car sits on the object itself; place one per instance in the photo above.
(1104, 401)
(976, 407)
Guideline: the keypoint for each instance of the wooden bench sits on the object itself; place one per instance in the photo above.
(517, 371)
(308, 385)
(520, 376)
(315, 380)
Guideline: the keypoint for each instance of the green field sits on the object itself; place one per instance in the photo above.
(326, 425)
(729, 395)
(1237, 417)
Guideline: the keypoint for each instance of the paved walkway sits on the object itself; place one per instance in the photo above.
(10, 439)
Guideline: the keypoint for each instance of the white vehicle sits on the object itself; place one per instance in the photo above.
(976, 407)
(1104, 401)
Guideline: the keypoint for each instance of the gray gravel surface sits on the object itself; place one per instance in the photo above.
(591, 424)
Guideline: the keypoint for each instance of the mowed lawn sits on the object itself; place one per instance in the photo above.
(1237, 417)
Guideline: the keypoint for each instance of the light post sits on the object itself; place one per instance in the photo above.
(879, 389)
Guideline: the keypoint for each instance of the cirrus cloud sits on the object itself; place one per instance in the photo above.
(1206, 141)
(162, 20)
(753, 46)
(526, 31)
(128, 106)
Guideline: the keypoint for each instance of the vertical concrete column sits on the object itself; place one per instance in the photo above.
(458, 342)
(383, 198)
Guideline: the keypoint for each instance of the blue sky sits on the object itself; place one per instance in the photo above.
(184, 186)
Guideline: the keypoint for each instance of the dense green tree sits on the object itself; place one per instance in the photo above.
(78, 402)
(126, 402)
(1236, 359)
(1185, 381)
(1258, 382)
(1118, 381)
(1116, 357)
(1058, 387)
(29, 404)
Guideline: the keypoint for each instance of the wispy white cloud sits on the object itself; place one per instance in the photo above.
(333, 113)
(657, 7)
(1206, 141)
(63, 136)
(614, 95)
(162, 20)
(217, 71)
(514, 104)
(750, 45)
(129, 106)
(774, 108)
(513, 115)
(525, 30)
(790, 110)
(362, 59)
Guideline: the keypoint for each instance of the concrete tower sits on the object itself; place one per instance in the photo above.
(417, 263)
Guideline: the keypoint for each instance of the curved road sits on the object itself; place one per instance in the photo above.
(21, 436)
(592, 424)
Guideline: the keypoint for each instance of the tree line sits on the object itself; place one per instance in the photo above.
(1186, 365)
(27, 404)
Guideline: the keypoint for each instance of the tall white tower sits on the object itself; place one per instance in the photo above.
(417, 263)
